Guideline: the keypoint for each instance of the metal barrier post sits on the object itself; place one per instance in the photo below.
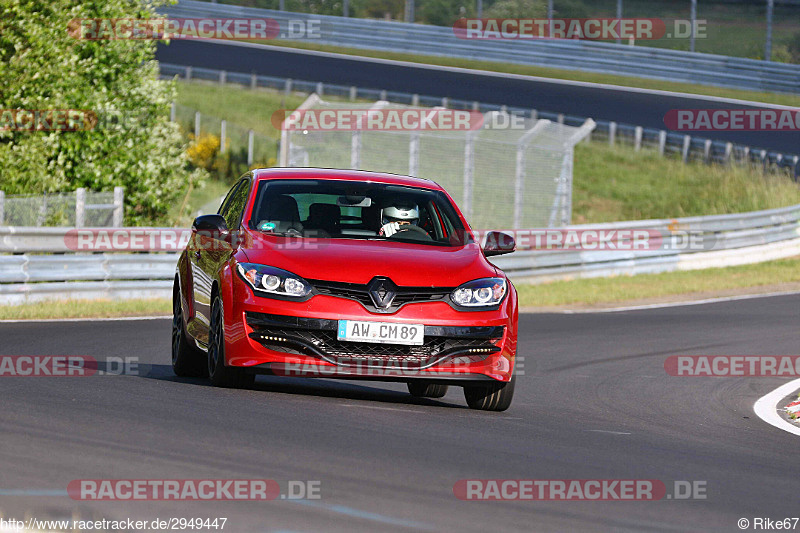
(687, 143)
(662, 141)
(80, 207)
(469, 169)
(612, 132)
(637, 138)
(196, 125)
(3, 201)
(250, 142)
(119, 207)
(223, 133)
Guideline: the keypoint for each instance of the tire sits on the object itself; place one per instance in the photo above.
(420, 389)
(490, 397)
(187, 359)
(220, 374)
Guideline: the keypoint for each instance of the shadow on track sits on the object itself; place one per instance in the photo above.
(320, 387)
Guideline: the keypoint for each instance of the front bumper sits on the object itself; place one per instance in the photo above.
(299, 339)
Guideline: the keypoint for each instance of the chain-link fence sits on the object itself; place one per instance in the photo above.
(501, 177)
(79, 209)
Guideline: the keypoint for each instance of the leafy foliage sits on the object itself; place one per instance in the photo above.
(133, 144)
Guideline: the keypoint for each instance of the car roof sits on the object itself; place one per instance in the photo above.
(344, 175)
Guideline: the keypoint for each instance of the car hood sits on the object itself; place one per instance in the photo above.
(358, 261)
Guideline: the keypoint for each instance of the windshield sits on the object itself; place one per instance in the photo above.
(354, 210)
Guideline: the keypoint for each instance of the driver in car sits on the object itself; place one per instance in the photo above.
(401, 218)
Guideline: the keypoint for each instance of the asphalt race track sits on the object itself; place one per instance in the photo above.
(594, 403)
(600, 102)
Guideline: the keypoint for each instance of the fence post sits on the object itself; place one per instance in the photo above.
(445, 102)
(188, 73)
(320, 89)
(747, 154)
(560, 118)
(534, 114)
(728, 152)
(707, 151)
(612, 133)
(172, 112)
(662, 141)
(687, 143)
(469, 167)
(383, 95)
(80, 207)
(413, 153)
(764, 160)
(476, 106)
(253, 80)
(196, 124)
(223, 134)
(222, 77)
(119, 207)
(3, 201)
(287, 87)
(795, 176)
(353, 92)
(250, 142)
(355, 150)
(415, 100)
(637, 138)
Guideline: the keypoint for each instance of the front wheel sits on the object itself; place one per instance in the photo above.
(490, 397)
(220, 374)
(420, 389)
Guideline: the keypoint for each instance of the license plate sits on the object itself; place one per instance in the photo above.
(385, 332)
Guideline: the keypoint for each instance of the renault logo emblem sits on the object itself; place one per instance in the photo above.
(382, 291)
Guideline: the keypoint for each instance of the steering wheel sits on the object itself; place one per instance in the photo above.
(414, 229)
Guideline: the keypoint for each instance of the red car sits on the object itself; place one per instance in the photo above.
(345, 274)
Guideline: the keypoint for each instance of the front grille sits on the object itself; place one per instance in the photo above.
(316, 337)
(360, 293)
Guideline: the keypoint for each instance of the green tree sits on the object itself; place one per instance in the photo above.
(44, 67)
(517, 9)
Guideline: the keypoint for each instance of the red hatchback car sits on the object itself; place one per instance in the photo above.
(345, 274)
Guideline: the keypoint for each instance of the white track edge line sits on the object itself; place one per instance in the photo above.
(102, 319)
(766, 407)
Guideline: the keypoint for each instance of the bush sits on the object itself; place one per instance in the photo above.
(133, 144)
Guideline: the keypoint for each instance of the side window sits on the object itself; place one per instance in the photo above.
(234, 205)
(224, 207)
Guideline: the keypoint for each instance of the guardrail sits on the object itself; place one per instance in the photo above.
(687, 147)
(40, 263)
(647, 62)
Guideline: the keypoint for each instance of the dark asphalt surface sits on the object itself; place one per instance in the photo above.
(596, 101)
(387, 462)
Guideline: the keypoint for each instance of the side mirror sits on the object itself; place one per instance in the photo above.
(213, 226)
(498, 243)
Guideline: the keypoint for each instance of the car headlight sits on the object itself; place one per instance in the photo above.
(263, 278)
(480, 292)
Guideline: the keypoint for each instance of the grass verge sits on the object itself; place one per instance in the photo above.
(86, 309)
(781, 274)
(610, 183)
